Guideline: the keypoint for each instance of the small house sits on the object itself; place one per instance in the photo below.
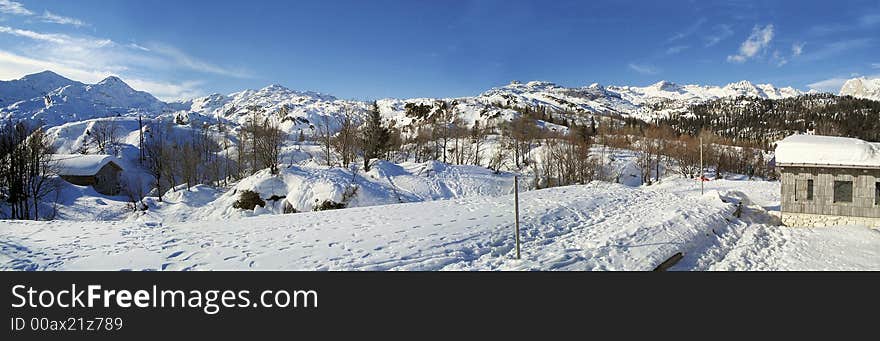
(99, 171)
(829, 181)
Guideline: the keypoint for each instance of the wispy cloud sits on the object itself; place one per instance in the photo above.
(643, 69)
(836, 48)
(180, 58)
(14, 66)
(58, 19)
(47, 37)
(757, 41)
(690, 30)
(779, 59)
(832, 85)
(676, 49)
(797, 49)
(15, 8)
(875, 65)
(866, 21)
(90, 58)
(869, 20)
(720, 32)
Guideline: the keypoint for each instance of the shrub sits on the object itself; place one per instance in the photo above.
(248, 200)
(288, 208)
(329, 205)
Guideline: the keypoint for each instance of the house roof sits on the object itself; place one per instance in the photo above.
(79, 164)
(827, 151)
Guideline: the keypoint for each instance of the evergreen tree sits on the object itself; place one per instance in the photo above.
(375, 136)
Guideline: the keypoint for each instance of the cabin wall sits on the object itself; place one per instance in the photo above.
(800, 210)
(107, 180)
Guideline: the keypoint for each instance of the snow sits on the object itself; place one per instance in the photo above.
(598, 226)
(79, 164)
(776, 248)
(827, 150)
(579, 227)
(862, 87)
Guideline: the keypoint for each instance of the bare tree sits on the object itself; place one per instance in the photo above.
(26, 172)
(104, 134)
(269, 142)
(159, 154)
(325, 137)
(478, 138)
(346, 140)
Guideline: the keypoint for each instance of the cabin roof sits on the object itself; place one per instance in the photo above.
(81, 165)
(827, 151)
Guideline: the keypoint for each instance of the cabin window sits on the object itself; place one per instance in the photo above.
(810, 189)
(877, 193)
(843, 191)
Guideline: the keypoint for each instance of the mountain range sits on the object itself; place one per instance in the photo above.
(52, 99)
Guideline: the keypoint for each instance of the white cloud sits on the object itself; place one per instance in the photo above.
(797, 49)
(832, 85)
(643, 69)
(757, 41)
(875, 65)
(12, 7)
(91, 59)
(168, 91)
(47, 37)
(107, 54)
(58, 19)
(13, 66)
(16, 8)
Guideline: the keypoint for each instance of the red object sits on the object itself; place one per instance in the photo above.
(703, 178)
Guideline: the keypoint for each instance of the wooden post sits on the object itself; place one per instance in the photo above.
(701, 167)
(516, 209)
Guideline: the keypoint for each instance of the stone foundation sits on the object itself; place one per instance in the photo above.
(819, 220)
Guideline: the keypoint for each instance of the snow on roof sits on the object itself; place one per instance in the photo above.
(79, 164)
(827, 151)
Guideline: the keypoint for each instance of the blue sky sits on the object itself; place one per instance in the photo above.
(375, 49)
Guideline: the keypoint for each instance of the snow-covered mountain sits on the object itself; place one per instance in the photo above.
(862, 88)
(54, 100)
(646, 103)
(297, 110)
(73, 101)
(31, 86)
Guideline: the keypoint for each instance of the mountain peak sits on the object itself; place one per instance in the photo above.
(275, 87)
(862, 87)
(111, 80)
(44, 75)
(665, 85)
(741, 84)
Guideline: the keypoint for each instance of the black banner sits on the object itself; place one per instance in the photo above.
(336, 304)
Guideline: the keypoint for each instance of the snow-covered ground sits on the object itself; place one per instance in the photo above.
(599, 226)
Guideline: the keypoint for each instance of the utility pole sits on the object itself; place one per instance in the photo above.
(516, 209)
(701, 167)
(141, 138)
